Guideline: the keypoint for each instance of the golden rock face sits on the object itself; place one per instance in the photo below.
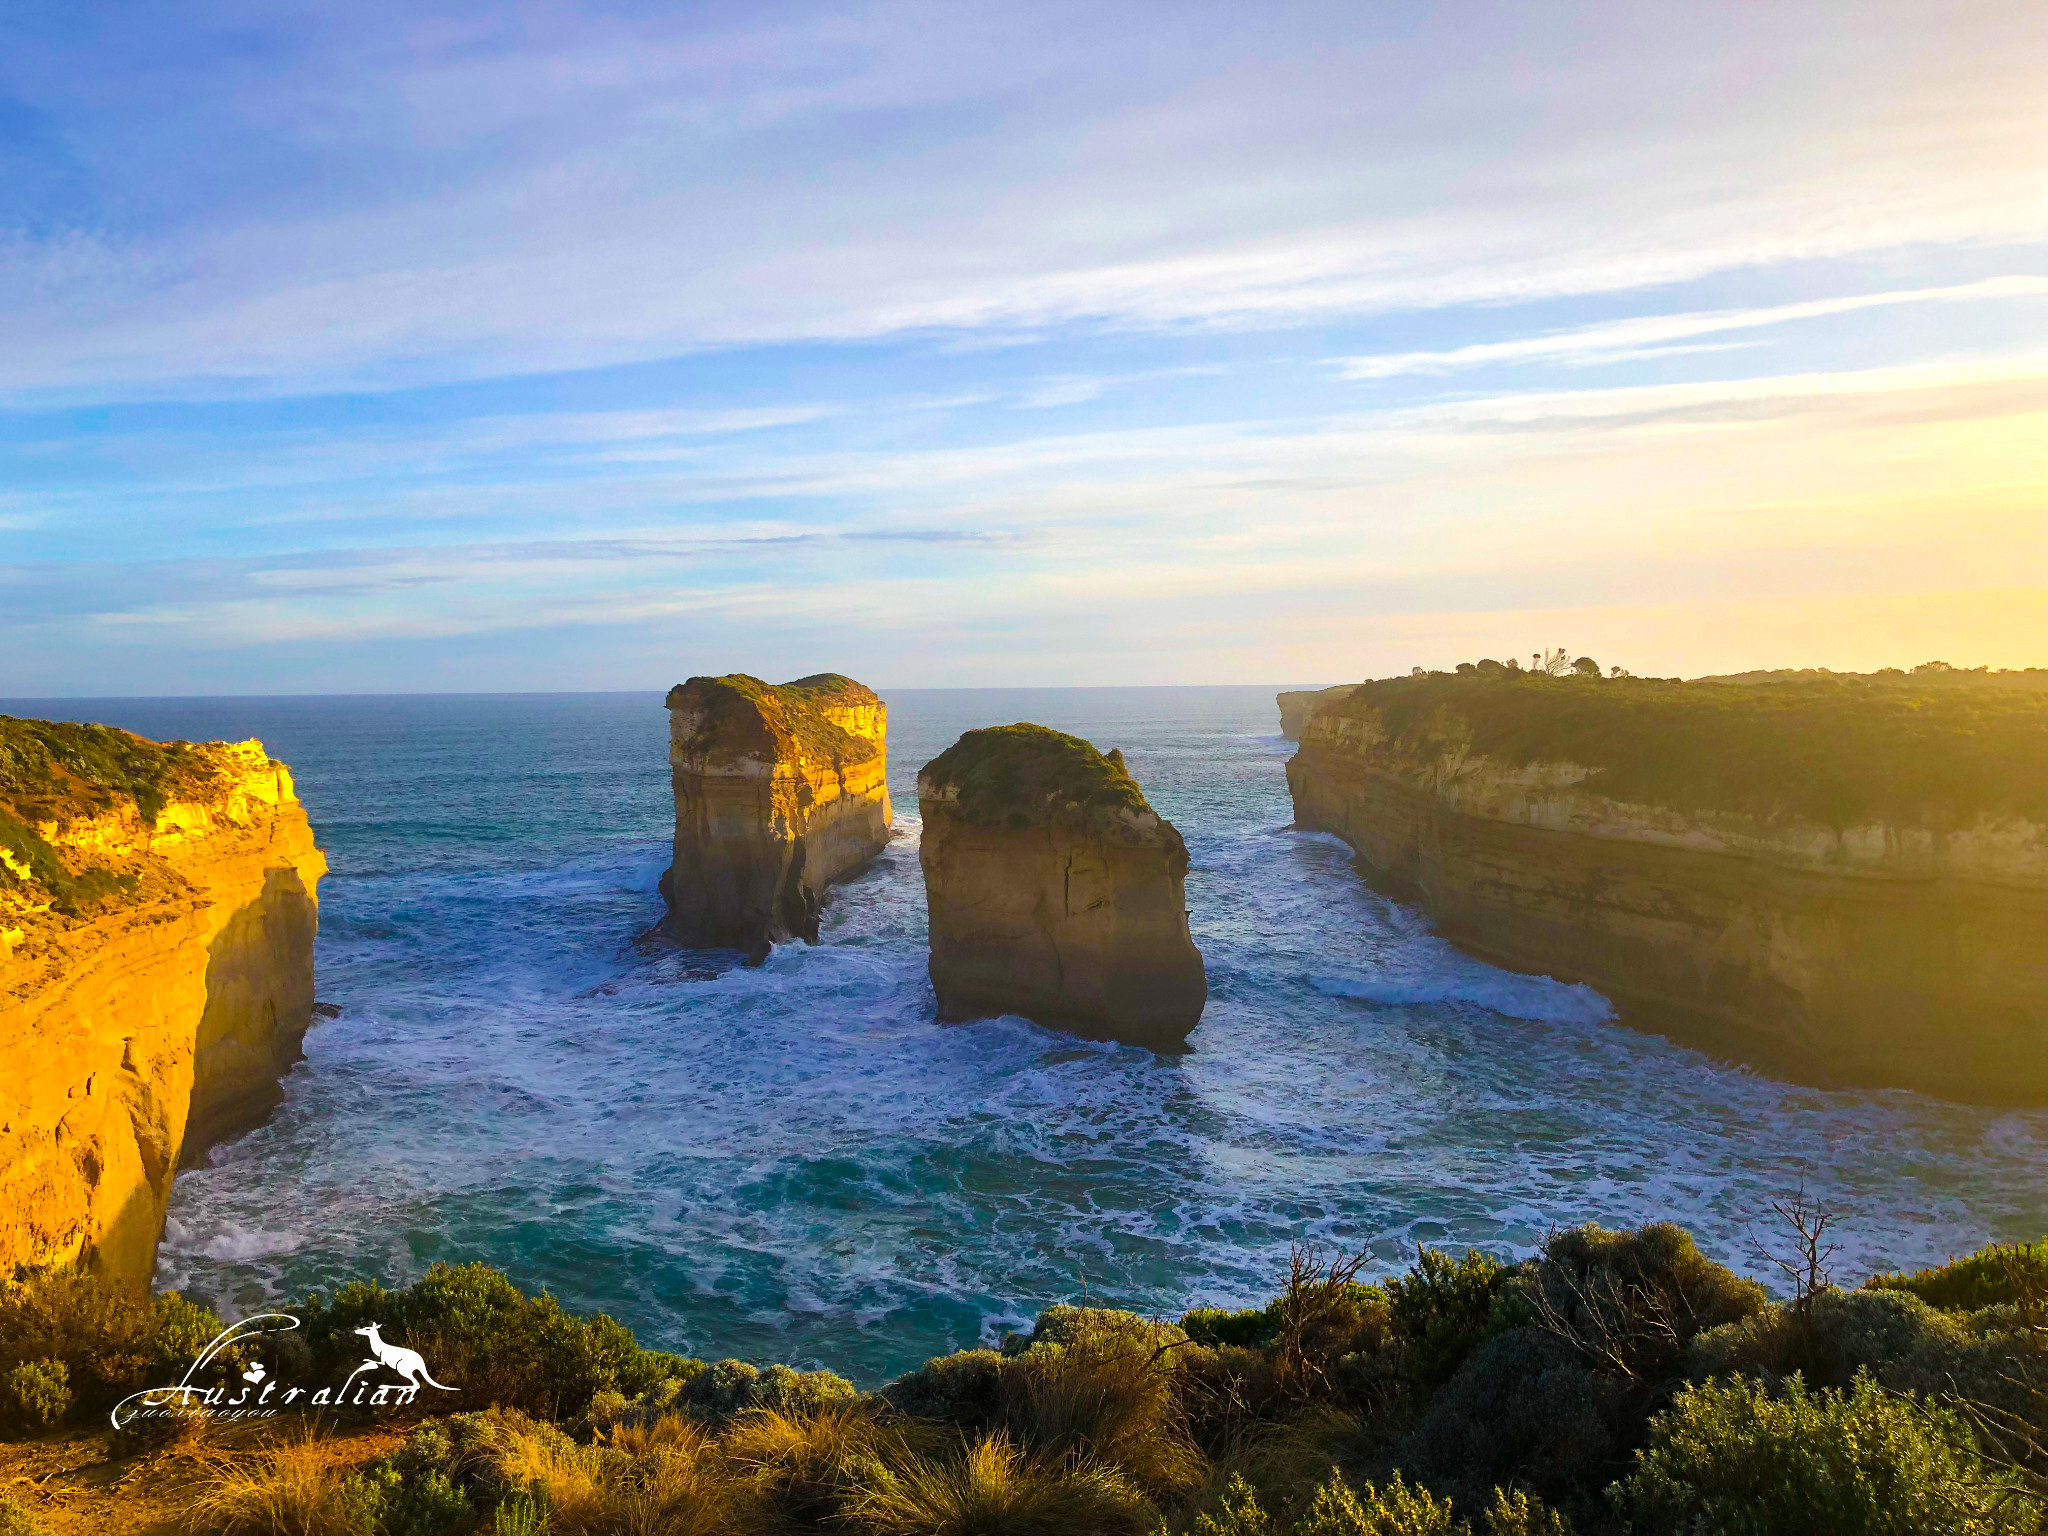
(1888, 954)
(779, 792)
(1056, 892)
(142, 1025)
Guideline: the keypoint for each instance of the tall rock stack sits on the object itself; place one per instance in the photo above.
(157, 914)
(779, 792)
(1055, 891)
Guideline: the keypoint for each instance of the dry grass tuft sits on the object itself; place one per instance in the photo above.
(996, 1489)
(298, 1486)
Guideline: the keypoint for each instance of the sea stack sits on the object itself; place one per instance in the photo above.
(1055, 891)
(157, 911)
(1842, 878)
(779, 792)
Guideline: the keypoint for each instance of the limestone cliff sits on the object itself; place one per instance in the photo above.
(157, 912)
(1844, 879)
(779, 792)
(1055, 891)
(1296, 706)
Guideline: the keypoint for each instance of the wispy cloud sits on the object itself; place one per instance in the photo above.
(1648, 336)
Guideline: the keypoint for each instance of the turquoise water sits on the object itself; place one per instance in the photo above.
(797, 1163)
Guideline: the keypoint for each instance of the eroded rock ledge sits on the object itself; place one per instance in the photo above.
(157, 913)
(1298, 704)
(1841, 878)
(1055, 891)
(779, 792)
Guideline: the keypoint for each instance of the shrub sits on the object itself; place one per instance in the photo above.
(34, 1395)
(109, 1339)
(1442, 1310)
(1237, 1513)
(483, 1336)
(1732, 1457)
(733, 1387)
(963, 1389)
(1905, 1344)
(1517, 1514)
(1525, 1408)
(1395, 1510)
(391, 1504)
(1632, 1302)
(1999, 1275)
(17, 1521)
(1247, 1329)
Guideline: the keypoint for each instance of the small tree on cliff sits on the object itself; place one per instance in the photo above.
(1586, 666)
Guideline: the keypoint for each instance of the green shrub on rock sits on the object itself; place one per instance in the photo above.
(1734, 1457)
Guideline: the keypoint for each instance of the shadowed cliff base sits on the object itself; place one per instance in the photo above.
(779, 792)
(1843, 879)
(156, 976)
(1055, 891)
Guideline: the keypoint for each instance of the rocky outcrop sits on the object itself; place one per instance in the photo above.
(1298, 705)
(1810, 882)
(1055, 891)
(157, 912)
(779, 792)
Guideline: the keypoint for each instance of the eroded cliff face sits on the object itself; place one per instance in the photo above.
(1886, 953)
(1055, 891)
(156, 980)
(779, 792)
(1297, 705)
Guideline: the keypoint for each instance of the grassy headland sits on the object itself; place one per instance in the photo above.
(1843, 749)
(1620, 1382)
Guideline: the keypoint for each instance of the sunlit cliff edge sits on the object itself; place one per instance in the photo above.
(1841, 878)
(157, 912)
(779, 792)
(1055, 891)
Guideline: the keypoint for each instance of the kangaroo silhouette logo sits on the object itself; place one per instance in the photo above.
(409, 1363)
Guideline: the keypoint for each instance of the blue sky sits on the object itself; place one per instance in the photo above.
(377, 347)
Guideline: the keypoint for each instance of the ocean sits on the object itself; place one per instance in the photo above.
(797, 1163)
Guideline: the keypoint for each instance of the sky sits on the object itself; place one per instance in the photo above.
(378, 347)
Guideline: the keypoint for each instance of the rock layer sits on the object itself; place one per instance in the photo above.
(779, 792)
(157, 913)
(1055, 891)
(1905, 950)
(1297, 705)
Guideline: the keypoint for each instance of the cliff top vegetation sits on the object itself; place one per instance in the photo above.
(1843, 749)
(1613, 1384)
(58, 771)
(741, 715)
(1023, 775)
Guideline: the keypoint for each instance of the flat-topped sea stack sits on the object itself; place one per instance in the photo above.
(157, 913)
(1841, 877)
(1298, 704)
(779, 792)
(1055, 891)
